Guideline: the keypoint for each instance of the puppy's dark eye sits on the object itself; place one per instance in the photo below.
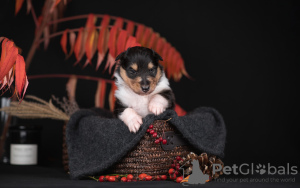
(151, 70)
(132, 71)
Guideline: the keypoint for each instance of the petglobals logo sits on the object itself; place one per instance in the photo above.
(246, 169)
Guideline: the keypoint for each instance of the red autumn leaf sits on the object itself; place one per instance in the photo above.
(90, 23)
(131, 42)
(102, 45)
(105, 21)
(8, 57)
(139, 32)
(153, 40)
(78, 44)
(170, 61)
(130, 27)
(119, 22)
(18, 6)
(100, 94)
(112, 44)
(64, 40)
(20, 75)
(111, 98)
(122, 41)
(29, 6)
(91, 45)
(71, 88)
(146, 37)
(179, 110)
(165, 50)
(159, 45)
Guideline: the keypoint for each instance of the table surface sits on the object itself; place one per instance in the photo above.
(42, 176)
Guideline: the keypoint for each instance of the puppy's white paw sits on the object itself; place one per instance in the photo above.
(158, 104)
(131, 119)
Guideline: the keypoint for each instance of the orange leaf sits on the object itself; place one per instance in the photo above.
(131, 42)
(91, 44)
(122, 41)
(29, 6)
(90, 23)
(20, 75)
(102, 45)
(100, 94)
(159, 45)
(179, 110)
(112, 42)
(111, 97)
(10, 54)
(105, 21)
(18, 6)
(146, 37)
(130, 27)
(139, 32)
(54, 4)
(78, 43)
(119, 22)
(63, 41)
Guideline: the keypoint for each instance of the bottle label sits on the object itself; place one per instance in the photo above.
(23, 154)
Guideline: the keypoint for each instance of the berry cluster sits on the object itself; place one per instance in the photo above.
(174, 171)
(131, 178)
(154, 135)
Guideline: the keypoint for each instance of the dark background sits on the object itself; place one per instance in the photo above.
(243, 56)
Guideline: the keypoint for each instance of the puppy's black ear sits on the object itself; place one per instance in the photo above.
(122, 55)
(157, 55)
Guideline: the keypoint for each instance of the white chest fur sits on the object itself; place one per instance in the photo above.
(137, 102)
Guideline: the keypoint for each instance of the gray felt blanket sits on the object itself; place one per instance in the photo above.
(95, 143)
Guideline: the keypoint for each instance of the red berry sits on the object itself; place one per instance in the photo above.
(179, 179)
(152, 131)
(177, 167)
(163, 177)
(172, 176)
(123, 179)
(112, 179)
(129, 180)
(171, 171)
(148, 130)
(164, 141)
(142, 176)
(106, 178)
(148, 178)
(174, 161)
(154, 135)
(151, 127)
(158, 178)
(129, 177)
(156, 141)
(101, 178)
(176, 173)
(173, 165)
(160, 139)
(178, 158)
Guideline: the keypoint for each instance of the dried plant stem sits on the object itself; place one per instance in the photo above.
(84, 16)
(33, 14)
(69, 76)
(39, 33)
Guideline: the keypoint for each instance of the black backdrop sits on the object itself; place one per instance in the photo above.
(243, 56)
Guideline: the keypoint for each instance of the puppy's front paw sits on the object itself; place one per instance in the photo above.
(131, 119)
(158, 104)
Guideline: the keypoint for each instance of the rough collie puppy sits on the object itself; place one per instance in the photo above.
(142, 87)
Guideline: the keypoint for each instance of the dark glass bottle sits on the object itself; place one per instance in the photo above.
(24, 142)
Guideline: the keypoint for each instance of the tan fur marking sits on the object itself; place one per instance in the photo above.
(133, 84)
(154, 81)
(134, 66)
(150, 65)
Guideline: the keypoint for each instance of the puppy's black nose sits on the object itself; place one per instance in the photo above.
(145, 88)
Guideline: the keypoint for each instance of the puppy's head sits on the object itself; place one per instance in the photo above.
(140, 69)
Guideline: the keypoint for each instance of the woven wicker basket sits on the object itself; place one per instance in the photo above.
(147, 157)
